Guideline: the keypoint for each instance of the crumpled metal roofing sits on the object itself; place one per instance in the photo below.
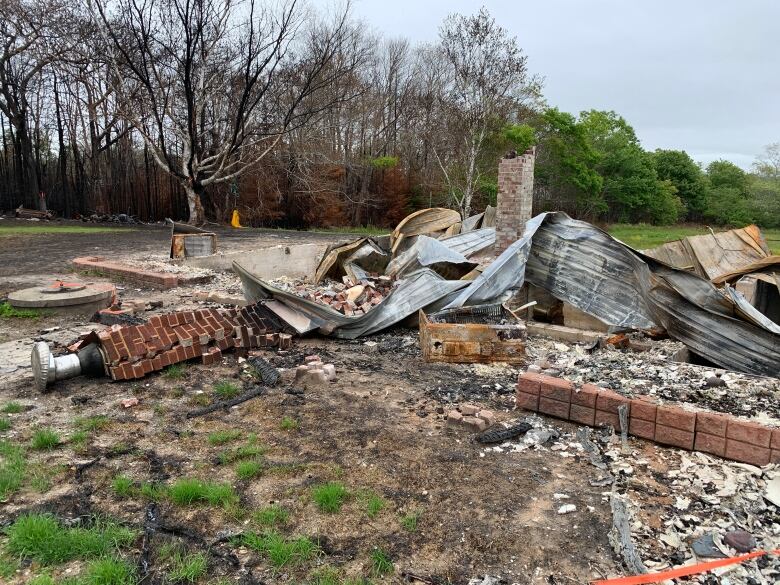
(586, 267)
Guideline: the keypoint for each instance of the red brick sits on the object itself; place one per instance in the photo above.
(775, 441)
(674, 437)
(710, 443)
(554, 408)
(582, 415)
(173, 319)
(165, 359)
(774, 456)
(527, 401)
(529, 383)
(186, 317)
(643, 410)
(642, 428)
(711, 423)
(181, 353)
(157, 363)
(138, 370)
(609, 401)
(116, 373)
(189, 352)
(749, 432)
(607, 418)
(556, 389)
(586, 396)
(676, 418)
(746, 452)
(156, 321)
(272, 339)
(111, 353)
(285, 341)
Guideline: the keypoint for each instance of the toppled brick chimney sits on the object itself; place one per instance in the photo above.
(515, 197)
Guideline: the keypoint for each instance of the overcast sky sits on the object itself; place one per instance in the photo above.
(697, 75)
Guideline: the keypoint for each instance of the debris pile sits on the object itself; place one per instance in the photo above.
(347, 297)
(314, 372)
(471, 416)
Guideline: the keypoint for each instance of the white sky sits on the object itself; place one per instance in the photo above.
(697, 75)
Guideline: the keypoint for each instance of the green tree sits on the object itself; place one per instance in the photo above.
(730, 201)
(686, 176)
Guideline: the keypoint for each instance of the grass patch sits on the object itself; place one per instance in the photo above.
(34, 230)
(643, 236)
(108, 571)
(330, 497)
(5, 423)
(226, 390)
(187, 568)
(12, 468)
(153, 491)
(371, 502)
(273, 515)
(289, 424)
(222, 437)
(8, 566)
(380, 563)
(175, 371)
(42, 538)
(286, 469)
(90, 424)
(13, 408)
(9, 312)
(409, 521)
(324, 576)
(281, 551)
(248, 469)
(251, 450)
(122, 486)
(45, 440)
(41, 476)
(186, 492)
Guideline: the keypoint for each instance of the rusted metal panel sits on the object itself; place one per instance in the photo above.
(471, 343)
(193, 245)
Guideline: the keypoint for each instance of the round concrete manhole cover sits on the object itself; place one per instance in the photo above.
(75, 296)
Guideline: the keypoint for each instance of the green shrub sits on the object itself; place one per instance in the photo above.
(330, 497)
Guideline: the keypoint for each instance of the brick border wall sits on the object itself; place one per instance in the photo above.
(714, 433)
(154, 279)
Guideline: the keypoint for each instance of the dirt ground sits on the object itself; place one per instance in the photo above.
(379, 428)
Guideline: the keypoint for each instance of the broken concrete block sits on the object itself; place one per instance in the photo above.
(454, 417)
(330, 371)
(469, 409)
(488, 416)
(475, 423)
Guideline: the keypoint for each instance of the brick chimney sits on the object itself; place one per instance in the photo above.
(515, 197)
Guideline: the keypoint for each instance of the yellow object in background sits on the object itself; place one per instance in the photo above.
(235, 221)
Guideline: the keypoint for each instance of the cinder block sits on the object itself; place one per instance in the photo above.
(556, 389)
(642, 428)
(747, 452)
(676, 418)
(529, 383)
(710, 443)
(643, 410)
(749, 432)
(582, 415)
(527, 401)
(554, 408)
(711, 423)
(609, 401)
(673, 436)
(585, 396)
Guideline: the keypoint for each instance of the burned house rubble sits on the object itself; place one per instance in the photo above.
(630, 396)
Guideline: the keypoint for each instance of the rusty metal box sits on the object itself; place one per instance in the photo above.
(472, 335)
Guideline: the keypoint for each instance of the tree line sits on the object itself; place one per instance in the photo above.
(192, 108)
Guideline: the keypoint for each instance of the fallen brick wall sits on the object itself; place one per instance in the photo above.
(136, 350)
(159, 280)
(717, 434)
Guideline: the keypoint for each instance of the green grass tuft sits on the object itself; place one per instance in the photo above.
(187, 568)
(12, 468)
(186, 492)
(330, 497)
(42, 538)
(153, 491)
(108, 571)
(226, 390)
(371, 502)
(289, 424)
(222, 437)
(90, 424)
(9, 312)
(45, 440)
(324, 576)
(273, 515)
(248, 469)
(123, 486)
(5, 423)
(410, 520)
(381, 563)
(282, 552)
(79, 439)
(41, 580)
(175, 371)
(251, 450)
(13, 408)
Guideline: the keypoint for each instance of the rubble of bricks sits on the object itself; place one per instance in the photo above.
(158, 280)
(134, 351)
(718, 434)
(314, 372)
(471, 416)
(350, 298)
(514, 204)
